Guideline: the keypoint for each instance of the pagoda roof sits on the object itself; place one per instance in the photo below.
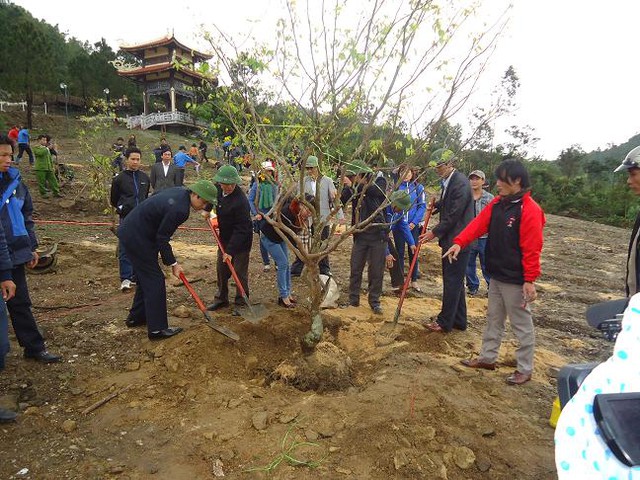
(159, 67)
(139, 49)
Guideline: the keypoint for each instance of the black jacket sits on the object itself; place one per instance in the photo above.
(158, 179)
(373, 195)
(128, 190)
(288, 217)
(234, 220)
(455, 208)
(150, 226)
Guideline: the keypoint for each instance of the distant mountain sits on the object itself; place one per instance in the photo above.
(617, 152)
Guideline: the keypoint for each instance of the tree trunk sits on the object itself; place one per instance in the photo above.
(314, 335)
(29, 101)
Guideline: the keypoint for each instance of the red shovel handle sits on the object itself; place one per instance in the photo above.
(193, 293)
(227, 261)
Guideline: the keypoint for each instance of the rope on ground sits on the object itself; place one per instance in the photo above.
(100, 224)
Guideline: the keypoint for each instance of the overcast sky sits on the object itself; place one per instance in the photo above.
(576, 59)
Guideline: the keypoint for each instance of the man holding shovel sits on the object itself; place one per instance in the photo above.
(145, 233)
(236, 235)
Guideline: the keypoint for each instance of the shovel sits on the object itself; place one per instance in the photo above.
(407, 280)
(255, 313)
(208, 320)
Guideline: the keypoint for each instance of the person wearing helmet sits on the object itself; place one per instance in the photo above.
(236, 235)
(456, 211)
(369, 243)
(631, 164)
(145, 234)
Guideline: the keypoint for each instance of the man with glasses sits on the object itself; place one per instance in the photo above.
(322, 188)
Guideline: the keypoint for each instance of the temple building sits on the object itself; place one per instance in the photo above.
(166, 72)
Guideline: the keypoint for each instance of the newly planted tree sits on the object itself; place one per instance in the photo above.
(345, 82)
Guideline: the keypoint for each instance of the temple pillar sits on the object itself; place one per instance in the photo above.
(145, 103)
(172, 95)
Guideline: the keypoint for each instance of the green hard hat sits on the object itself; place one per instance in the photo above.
(400, 200)
(312, 161)
(441, 156)
(227, 174)
(205, 190)
(356, 167)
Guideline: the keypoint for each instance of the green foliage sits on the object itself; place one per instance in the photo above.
(95, 140)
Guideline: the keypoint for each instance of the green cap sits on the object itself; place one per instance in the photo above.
(356, 167)
(205, 190)
(401, 200)
(312, 161)
(227, 174)
(441, 156)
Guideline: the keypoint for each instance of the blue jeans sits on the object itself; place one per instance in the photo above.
(126, 269)
(4, 332)
(280, 254)
(398, 239)
(473, 283)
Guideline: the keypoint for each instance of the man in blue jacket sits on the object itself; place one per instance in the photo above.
(180, 160)
(145, 233)
(8, 289)
(17, 223)
(23, 145)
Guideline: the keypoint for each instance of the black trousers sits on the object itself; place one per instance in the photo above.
(179, 176)
(150, 299)
(240, 262)
(22, 319)
(371, 252)
(323, 264)
(24, 147)
(454, 302)
(396, 272)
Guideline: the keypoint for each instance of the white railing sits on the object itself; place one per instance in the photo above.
(12, 104)
(162, 118)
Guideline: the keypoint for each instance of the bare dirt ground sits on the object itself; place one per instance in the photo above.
(200, 405)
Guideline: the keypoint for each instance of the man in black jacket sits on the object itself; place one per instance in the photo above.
(128, 189)
(456, 211)
(145, 233)
(236, 235)
(369, 246)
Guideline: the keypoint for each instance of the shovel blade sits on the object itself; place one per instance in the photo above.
(253, 313)
(220, 328)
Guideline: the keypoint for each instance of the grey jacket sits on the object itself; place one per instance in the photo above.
(158, 179)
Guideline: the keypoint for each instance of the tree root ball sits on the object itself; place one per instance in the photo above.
(327, 368)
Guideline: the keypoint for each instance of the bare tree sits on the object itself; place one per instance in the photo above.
(340, 73)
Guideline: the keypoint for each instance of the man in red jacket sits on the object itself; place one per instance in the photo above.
(514, 222)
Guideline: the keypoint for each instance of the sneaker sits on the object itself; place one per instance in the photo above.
(472, 293)
(266, 268)
(126, 285)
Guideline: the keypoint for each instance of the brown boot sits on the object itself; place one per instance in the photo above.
(518, 378)
(476, 363)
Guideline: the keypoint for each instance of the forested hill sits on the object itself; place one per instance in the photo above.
(616, 152)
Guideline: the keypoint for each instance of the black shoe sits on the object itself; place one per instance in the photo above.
(282, 304)
(377, 309)
(349, 304)
(166, 333)
(217, 305)
(239, 302)
(43, 356)
(134, 322)
(7, 416)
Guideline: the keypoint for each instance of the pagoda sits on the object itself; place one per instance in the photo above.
(167, 72)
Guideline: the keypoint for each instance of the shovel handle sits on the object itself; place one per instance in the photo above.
(407, 280)
(227, 261)
(193, 293)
